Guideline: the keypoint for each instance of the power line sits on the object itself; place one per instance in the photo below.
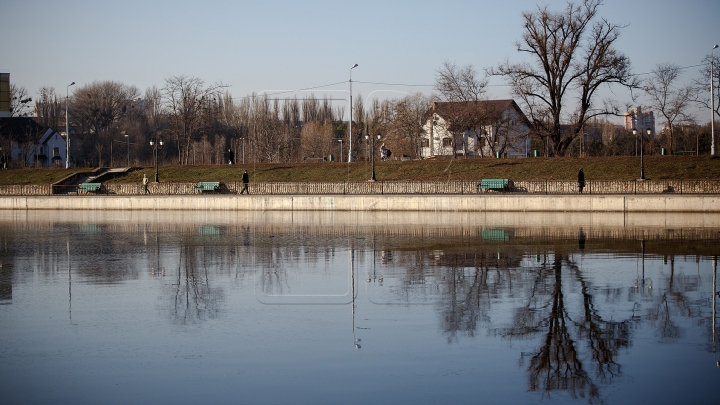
(402, 85)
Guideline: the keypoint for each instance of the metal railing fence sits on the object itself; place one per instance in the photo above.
(460, 187)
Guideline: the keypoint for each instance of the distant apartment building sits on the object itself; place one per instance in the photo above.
(5, 106)
(636, 118)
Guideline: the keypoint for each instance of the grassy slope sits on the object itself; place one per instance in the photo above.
(605, 168)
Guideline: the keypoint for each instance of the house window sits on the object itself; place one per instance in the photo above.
(42, 150)
(425, 143)
(447, 142)
(56, 151)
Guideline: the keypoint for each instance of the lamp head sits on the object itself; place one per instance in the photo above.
(71, 84)
(634, 131)
(648, 131)
(356, 65)
(714, 47)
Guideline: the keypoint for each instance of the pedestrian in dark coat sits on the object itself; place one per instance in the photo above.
(581, 180)
(245, 180)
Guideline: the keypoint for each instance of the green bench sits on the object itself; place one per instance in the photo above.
(204, 186)
(486, 185)
(89, 187)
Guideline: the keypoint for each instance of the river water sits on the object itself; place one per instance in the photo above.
(355, 308)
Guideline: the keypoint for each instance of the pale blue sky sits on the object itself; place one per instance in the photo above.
(255, 46)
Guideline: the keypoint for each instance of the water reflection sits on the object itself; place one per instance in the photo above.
(574, 299)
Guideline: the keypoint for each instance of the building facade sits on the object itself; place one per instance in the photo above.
(640, 120)
(491, 128)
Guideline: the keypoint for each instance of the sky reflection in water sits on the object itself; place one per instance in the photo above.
(182, 307)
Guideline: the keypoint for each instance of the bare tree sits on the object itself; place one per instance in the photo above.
(19, 101)
(153, 107)
(408, 122)
(48, 109)
(317, 139)
(572, 51)
(671, 102)
(459, 83)
(462, 87)
(99, 105)
(186, 101)
(701, 85)
(98, 110)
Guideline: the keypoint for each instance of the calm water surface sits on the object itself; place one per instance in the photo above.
(358, 308)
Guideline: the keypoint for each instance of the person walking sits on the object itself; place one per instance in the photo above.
(245, 180)
(581, 180)
(145, 182)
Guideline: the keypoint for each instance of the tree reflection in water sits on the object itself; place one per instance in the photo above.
(558, 363)
(194, 300)
(578, 346)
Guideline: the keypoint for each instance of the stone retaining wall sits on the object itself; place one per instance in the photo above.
(420, 203)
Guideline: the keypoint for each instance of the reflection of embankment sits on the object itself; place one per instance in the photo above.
(450, 234)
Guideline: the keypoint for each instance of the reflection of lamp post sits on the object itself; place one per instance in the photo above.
(350, 156)
(155, 143)
(714, 302)
(372, 153)
(642, 279)
(340, 140)
(67, 127)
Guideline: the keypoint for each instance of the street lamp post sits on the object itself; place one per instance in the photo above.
(340, 140)
(155, 143)
(642, 146)
(712, 101)
(350, 155)
(127, 138)
(372, 154)
(67, 127)
(648, 131)
(243, 140)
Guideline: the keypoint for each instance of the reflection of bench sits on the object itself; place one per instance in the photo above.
(319, 159)
(499, 235)
(494, 184)
(89, 187)
(207, 186)
(684, 152)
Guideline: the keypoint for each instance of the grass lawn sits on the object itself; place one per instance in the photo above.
(595, 168)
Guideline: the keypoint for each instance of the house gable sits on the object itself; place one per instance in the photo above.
(475, 128)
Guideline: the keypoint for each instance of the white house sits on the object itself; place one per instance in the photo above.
(476, 128)
(30, 144)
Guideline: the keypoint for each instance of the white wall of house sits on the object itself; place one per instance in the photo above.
(51, 146)
(437, 140)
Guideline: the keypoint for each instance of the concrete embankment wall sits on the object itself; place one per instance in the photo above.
(449, 203)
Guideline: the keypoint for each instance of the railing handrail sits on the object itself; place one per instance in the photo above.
(422, 187)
